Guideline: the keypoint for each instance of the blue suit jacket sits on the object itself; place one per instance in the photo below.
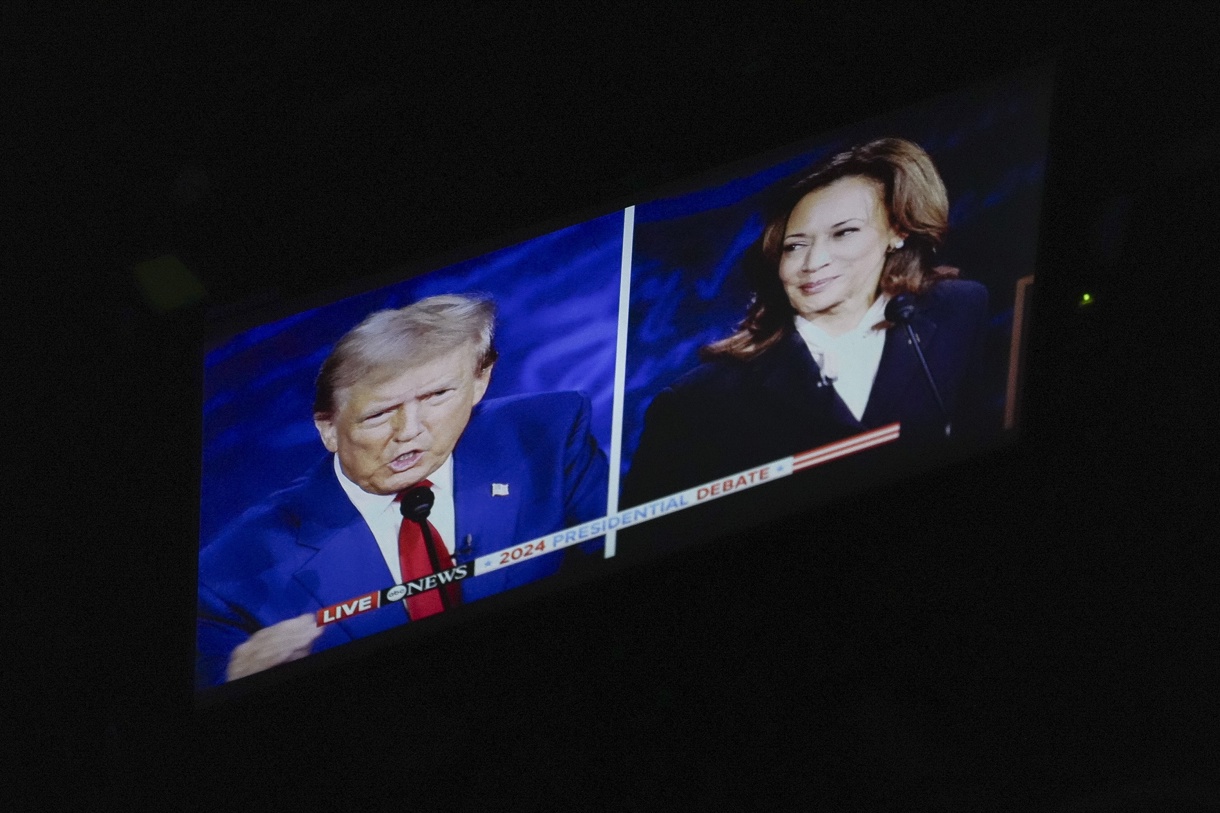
(727, 415)
(307, 546)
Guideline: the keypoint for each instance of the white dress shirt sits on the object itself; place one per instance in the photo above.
(383, 517)
(850, 360)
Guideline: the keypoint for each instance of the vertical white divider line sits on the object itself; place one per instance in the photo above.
(620, 374)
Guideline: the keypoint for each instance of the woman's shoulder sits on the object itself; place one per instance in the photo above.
(960, 302)
(725, 375)
(711, 376)
(956, 293)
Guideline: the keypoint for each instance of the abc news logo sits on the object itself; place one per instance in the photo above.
(379, 598)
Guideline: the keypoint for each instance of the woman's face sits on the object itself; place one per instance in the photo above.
(834, 248)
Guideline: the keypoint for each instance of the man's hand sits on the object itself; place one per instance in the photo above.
(279, 643)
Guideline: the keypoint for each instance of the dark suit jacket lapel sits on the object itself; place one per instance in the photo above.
(898, 371)
(791, 381)
(348, 562)
(788, 373)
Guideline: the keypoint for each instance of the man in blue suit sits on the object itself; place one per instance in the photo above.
(399, 404)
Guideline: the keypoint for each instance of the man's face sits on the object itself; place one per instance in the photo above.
(390, 433)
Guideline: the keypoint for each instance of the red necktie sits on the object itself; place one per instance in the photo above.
(416, 563)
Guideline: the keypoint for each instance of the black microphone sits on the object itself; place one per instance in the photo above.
(416, 504)
(900, 310)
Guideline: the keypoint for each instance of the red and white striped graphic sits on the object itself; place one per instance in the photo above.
(856, 443)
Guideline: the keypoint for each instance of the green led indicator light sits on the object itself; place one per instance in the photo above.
(1086, 299)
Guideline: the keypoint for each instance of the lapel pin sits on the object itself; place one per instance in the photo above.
(499, 489)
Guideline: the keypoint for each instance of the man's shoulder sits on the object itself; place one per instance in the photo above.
(307, 490)
(537, 408)
(546, 434)
(279, 517)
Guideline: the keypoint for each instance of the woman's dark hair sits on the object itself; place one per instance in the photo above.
(918, 209)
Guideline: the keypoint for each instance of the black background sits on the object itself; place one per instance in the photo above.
(1033, 630)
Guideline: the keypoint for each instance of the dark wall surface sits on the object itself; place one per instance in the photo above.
(1032, 630)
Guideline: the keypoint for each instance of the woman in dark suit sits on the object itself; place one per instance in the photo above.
(816, 359)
